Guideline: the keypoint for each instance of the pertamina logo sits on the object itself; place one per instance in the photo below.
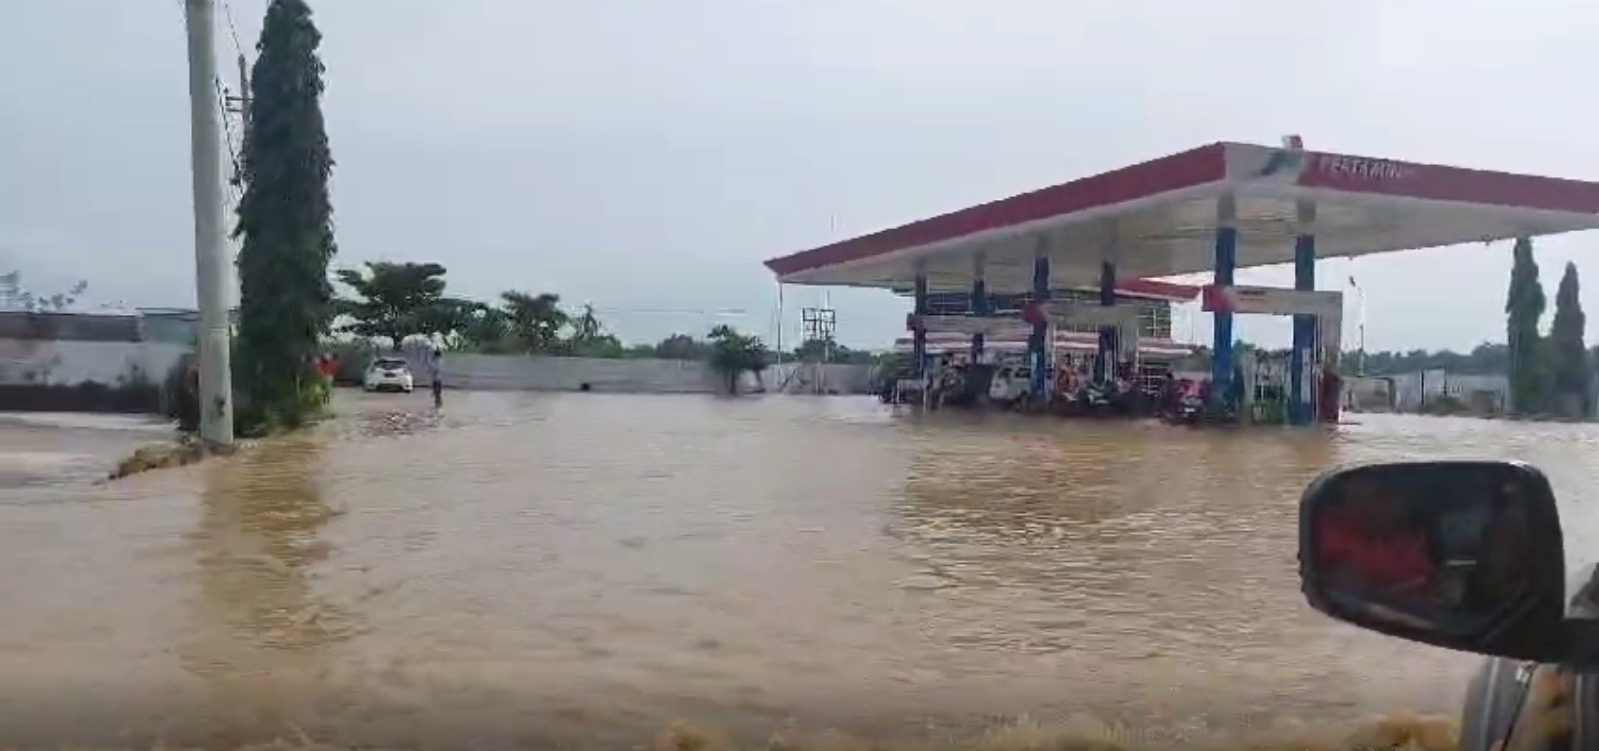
(1283, 165)
(1359, 168)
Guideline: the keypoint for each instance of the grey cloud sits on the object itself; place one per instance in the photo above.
(647, 156)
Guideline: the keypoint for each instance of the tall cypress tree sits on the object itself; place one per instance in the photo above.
(1524, 306)
(1570, 375)
(286, 222)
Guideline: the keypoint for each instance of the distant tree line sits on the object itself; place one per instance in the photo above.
(1488, 358)
(387, 303)
(15, 296)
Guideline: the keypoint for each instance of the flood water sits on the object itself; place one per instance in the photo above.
(527, 567)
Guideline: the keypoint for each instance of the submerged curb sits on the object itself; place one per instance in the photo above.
(166, 455)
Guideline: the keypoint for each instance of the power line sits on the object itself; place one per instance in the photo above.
(233, 30)
(673, 311)
(242, 100)
(227, 129)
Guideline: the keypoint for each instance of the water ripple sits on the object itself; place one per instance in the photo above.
(519, 556)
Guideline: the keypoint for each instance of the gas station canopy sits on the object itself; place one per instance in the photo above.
(1159, 218)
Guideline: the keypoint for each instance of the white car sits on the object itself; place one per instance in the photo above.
(1011, 384)
(388, 374)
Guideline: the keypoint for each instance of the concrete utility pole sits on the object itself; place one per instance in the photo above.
(210, 241)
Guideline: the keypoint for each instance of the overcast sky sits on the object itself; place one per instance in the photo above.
(646, 155)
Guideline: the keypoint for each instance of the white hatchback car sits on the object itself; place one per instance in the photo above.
(388, 374)
(1010, 384)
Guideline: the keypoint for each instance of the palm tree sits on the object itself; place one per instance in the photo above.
(586, 327)
(733, 354)
(536, 319)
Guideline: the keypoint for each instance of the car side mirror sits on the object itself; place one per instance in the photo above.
(1460, 554)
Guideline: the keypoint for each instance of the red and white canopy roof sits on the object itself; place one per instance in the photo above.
(1159, 219)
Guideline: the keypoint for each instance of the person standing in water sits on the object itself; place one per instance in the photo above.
(436, 374)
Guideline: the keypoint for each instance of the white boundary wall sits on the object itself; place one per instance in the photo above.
(68, 363)
(639, 376)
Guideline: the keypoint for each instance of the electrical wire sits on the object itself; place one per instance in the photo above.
(675, 311)
(227, 127)
(234, 152)
(233, 30)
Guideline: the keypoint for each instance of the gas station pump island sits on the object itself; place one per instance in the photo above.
(1019, 265)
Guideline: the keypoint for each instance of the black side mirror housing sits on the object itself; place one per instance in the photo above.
(1466, 555)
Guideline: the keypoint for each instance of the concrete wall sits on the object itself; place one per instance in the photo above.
(85, 376)
(69, 363)
(1411, 392)
(1364, 394)
(526, 373)
(26, 362)
(529, 373)
(1485, 392)
(811, 378)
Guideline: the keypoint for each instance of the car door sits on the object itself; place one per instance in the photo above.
(1545, 721)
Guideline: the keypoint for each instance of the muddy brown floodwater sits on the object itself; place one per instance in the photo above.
(522, 568)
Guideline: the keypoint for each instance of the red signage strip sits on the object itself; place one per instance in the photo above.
(1358, 174)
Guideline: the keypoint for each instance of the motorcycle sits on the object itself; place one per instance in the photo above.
(1190, 410)
(1096, 399)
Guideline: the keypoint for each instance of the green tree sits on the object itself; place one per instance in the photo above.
(830, 351)
(682, 347)
(449, 317)
(734, 354)
(1570, 372)
(483, 327)
(396, 300)
(535, 320)
(589, 338)
(285, 221)
(817, 350)
(1524, 307)
(1487, 358)
(586, 326)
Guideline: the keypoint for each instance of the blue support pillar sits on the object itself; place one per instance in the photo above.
(1221, 361)
(1038, 341)
(1301, 391)
(1105, 358)
(919, 336)
(979, 305)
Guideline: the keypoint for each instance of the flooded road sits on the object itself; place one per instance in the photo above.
(525, 568)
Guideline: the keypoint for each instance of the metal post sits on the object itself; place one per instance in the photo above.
(1302, 396)
(1360, 366)
(979, 304)
(1221, 363)
(1300, 359)
(777, 334)
(1360, 336)
(1105, 358)
(919, 335)
(210, 241)
(1038, 344)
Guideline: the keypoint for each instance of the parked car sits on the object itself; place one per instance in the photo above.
(388, 374)
(1011, 384)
